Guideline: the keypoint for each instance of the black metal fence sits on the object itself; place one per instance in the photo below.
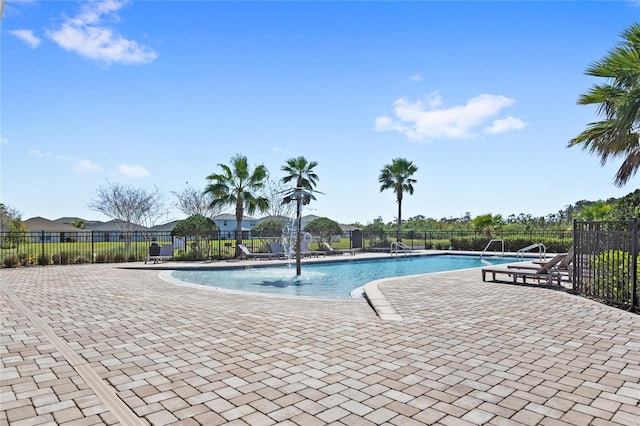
(557, 241)
(606, 262)
(59, 248)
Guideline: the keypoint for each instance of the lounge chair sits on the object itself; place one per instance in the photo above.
(562, 267)
(278, 249)
(340, 252)
(546, 272)
(165, 253)
(305, 251)
(247, 254)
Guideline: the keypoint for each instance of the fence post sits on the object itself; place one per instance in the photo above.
(42, 245)
(634, 265)
(576, 255)
(93, 252)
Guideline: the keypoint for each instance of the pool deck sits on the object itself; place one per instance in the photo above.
(101, 344)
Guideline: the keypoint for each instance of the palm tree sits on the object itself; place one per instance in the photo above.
(397, 176)
(236, 185)
(300, 170)
(619, 101)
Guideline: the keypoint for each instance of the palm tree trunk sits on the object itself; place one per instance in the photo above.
(239, 214)
(399, 236)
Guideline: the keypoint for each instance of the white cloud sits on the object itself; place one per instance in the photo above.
(26, 36)
(428, 119)
(416, 77)
(79, 166)
(3, 140)
(87, 35)
(38, 153)
(505, 124)
(84, 166)
(133, 171)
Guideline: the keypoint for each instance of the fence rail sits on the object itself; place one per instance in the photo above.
(58, 248)
(606, 262)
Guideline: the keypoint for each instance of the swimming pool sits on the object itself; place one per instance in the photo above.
(330, 279)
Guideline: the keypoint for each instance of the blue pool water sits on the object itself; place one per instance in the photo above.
(331, 279)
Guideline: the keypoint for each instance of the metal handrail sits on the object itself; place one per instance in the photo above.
(399, 246)
(542, 250)
(488, 244)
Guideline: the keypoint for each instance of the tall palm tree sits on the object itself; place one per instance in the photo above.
(619, 102)
(300, 170)
(236, 185)
(397, 176)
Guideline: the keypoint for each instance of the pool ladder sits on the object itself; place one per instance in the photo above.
(489, 244)
(399, 247)
(542, 250)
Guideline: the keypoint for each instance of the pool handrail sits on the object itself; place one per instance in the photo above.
(399, 247)
(542, 251)
(489, 243)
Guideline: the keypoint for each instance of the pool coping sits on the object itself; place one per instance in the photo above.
(370, 291)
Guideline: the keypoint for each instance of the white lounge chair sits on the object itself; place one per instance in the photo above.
(340, 252)
(247, 254)
(305, 251)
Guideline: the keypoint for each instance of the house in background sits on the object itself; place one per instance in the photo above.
(88, 224)
(49, 231)
(165, 227)
(227, 225)
(112, 232)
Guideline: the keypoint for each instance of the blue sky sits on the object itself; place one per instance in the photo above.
(481, 96)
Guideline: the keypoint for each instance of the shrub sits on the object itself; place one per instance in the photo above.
(61, 258)
(119, 257)
(11, 261)
(25, 259)
(440, 244)
(44, 259)
(104, 257)
(612, 271)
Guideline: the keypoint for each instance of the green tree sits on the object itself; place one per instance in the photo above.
(301, 171)
(78, 223)
(397, 176)
(17, 234)
(198, 227)
(237, 185)
(626, 207)
(487, 222)
(597, 211)
(618, 101)
(269, 229)
(324, 228)
(7, 215)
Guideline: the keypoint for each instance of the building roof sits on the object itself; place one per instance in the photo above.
(39, 224)
(88, 224)
(165, 226)
(228, 216)
(114, 225)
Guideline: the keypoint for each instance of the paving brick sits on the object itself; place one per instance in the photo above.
(482, 354)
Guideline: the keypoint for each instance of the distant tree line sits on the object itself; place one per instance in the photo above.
(623, 208)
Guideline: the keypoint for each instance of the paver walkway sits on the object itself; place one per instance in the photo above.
(95, 344)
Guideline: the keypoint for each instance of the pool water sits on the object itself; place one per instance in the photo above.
(330, 279)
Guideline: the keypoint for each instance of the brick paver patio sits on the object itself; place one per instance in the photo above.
(96, 344)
